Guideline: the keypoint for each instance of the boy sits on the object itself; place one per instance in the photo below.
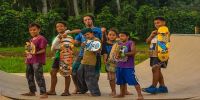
(35, 61)
(87, 72)
(61, 28)
(155, 63)
(125, 69)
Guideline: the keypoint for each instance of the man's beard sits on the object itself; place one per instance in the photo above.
(89, 25)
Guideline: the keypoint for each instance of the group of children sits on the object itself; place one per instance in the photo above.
(86, 66)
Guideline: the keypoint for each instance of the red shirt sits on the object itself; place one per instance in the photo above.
(40, 42)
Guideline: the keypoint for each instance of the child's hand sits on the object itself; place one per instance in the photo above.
(105, 61)
(83, 44)
(28, 55)
(117, 56)
(64, 35)
(154, 33)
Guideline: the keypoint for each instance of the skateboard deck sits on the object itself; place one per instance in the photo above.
(163, 43)
(92, 45)
(66, 55)
(118, 50)
(30, 47)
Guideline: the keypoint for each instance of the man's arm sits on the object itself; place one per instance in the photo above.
(74, 31)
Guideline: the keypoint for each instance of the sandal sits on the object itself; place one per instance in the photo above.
(65, 94)
(51, 93)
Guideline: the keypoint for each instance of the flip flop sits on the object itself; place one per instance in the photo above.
(65, 94)
(49, 93)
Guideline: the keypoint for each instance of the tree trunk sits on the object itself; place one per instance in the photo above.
(84, 4)
(197, 30)
(118, 6)
(76, 7)
(44, 6)
(92, 6)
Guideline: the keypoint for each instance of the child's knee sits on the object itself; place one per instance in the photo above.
(155, 68)
(54, 72)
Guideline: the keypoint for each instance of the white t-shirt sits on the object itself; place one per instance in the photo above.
(56, 42)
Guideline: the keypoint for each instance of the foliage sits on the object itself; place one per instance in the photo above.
(135, 16)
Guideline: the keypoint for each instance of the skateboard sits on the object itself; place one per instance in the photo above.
(92, 45)
(66, 55)
(118, 53)
(163, 43)
(30, 48)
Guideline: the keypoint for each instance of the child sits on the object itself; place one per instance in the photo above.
(155, 63)
(125, 69)
(61, 28)
(35, 61)
(110, 66)
(86, 72)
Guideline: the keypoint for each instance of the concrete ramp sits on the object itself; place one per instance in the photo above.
(182, 76)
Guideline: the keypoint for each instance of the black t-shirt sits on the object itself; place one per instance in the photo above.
(106, 48)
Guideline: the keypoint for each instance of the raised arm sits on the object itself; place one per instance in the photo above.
(74, 31)
(152, 35)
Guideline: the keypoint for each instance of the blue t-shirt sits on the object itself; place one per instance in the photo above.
(81, 38)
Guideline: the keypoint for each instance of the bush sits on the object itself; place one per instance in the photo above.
(139, 22)
(14, 25)
(105, 18)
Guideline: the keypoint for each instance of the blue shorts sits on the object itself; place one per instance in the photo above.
(126, 75)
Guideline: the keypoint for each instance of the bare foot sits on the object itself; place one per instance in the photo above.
(119, 96)
(89, 94)
(140, 98)
(112, 94)
(76, 92)
(51, 93)
(128, 93)
(43, 96)
(28, 94)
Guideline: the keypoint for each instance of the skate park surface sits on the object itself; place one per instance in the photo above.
(182, 77)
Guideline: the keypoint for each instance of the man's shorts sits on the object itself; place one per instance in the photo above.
(56, 63)
(126, 75)
(156, 61)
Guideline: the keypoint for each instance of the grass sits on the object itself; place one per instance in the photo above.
(12, 59)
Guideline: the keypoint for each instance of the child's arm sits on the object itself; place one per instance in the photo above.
(104, 53)
(133, 50)
(41, 51)
(42, 46)
(153, 34)
(105, 58)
